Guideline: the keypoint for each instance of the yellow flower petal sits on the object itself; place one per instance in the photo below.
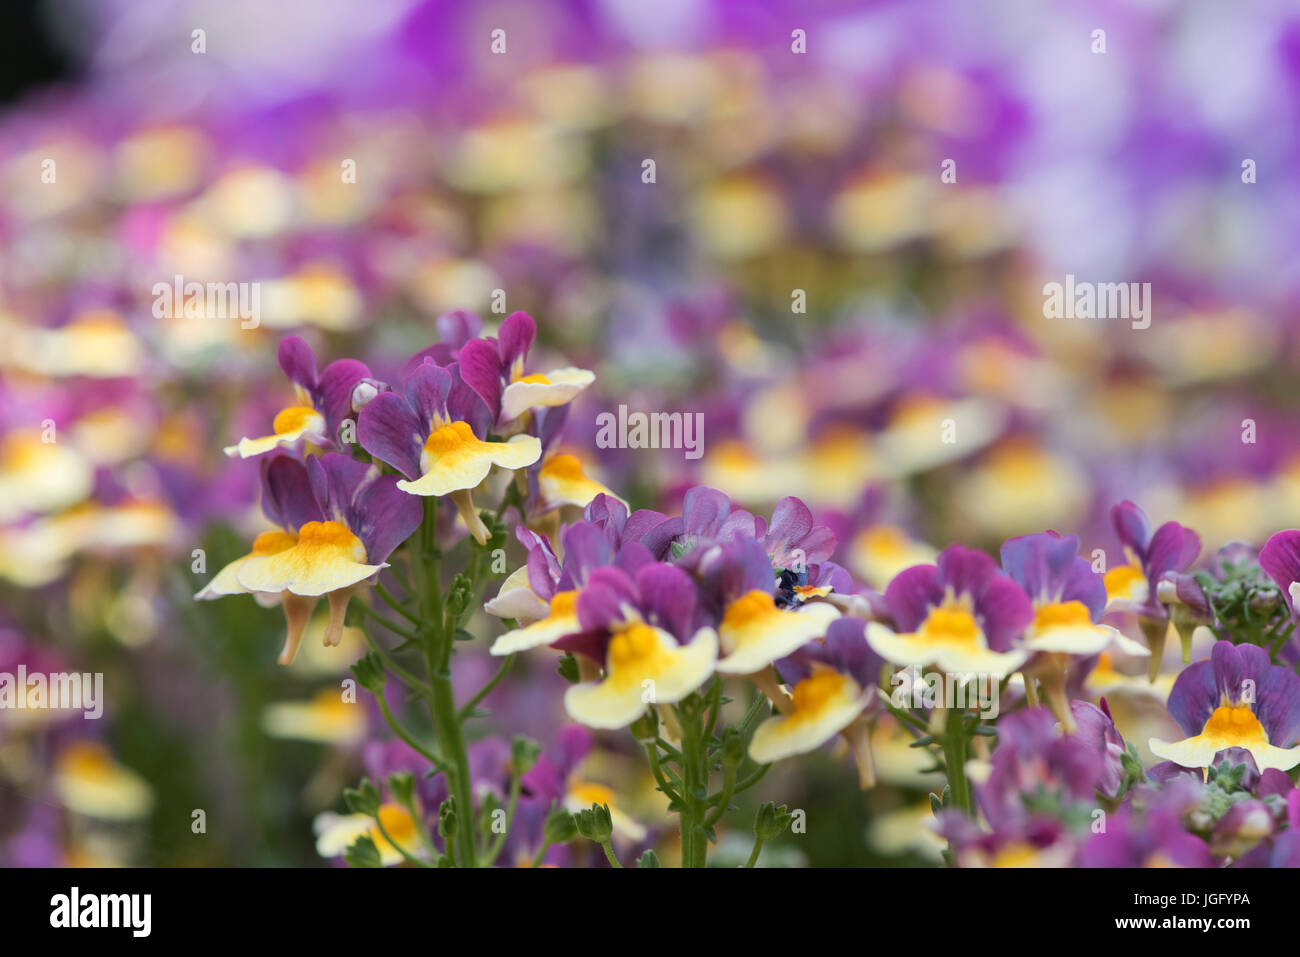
(561, 620)
(646, 666)
(1067, 627)
(754, 632)
(554, 388)
(562, 481)
(326, 719)
(326, 558)
(225, 581)
(1230, 726)
(949, 639)
(290, 425)
(89, 781)
(825, 703)
(455, 459)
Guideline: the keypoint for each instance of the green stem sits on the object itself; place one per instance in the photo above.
(394, 604)
(753, 855)
(610, 855)
(695, 775)
(516, 788)
(404, 734)
(487, 688)
(954, 759)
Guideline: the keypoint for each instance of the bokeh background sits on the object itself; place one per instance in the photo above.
(776, 173)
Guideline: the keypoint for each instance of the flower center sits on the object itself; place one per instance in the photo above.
(449, 438)
(563, 603)
(747, 609)
(535, 379)
(563, 466)
(1235, 723)
(1059, 614)
(1122, 582)
(950, 625)
(331, 535)
(636, 647)
(813, 693)
(293, 418)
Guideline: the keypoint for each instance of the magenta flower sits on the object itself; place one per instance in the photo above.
(494, 369)
(436, 433)
(323, 401)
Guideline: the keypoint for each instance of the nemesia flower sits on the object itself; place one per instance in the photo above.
(1068, 599)
(327, 718)
(832, 681)
(634, 626)
(1152, 556)
(1032, 762)
(1235, 699)
(335, 833)
(341, 520)
(961, 615)
(562, 481)
(322, 402)
(90, 781)
(527, 592)
(1154, 838)
(436, 434)
(754, 630)
(494, 368)
(556, 585)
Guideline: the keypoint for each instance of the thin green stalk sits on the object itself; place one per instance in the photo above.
(404, 734)
(483, 692)
(394, 604)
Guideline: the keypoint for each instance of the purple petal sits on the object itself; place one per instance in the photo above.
(1172, 549)
(1194, 696)
(515, 338)
(480, 367)
(1280, 559)
(334, 391)
(298, 362)
(426, 391)
(458, 327)
(385, 517)
(667, 598)
(389, 429)
(287, 498)
(911, 595)
(1132, 526)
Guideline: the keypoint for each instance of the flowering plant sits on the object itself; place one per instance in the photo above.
(724, 641)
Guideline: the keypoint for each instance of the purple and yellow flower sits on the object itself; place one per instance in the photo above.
(961, 615)
(1069, 599)
(1236, 699)
(321, 405)
(436, 433)
(832, 681)
(755, 630)
(339, 520)
(1152, 557)
(494, 368)
(635, 627)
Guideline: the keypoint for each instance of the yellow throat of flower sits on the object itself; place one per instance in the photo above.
(1236, 724)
